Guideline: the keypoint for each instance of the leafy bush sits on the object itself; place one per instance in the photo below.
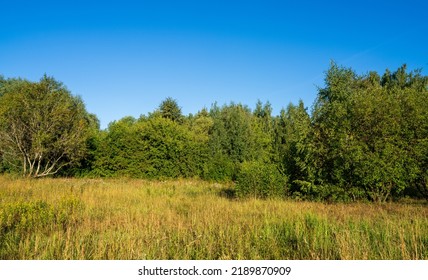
(326, 192)
(258, 179)
(219, 168)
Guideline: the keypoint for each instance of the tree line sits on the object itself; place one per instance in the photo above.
(366, 138)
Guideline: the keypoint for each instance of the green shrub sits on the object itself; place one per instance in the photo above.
(219, 168)
(326, 192)
(258, 179)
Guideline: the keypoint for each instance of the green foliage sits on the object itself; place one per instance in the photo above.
(86, 164)
(292, 144)
(43, 128)
(368, 131)
(258, 179)
(365, 139)
(167, 149)
(169, 109)
(150, 148)
(236, 136)
(118, 153)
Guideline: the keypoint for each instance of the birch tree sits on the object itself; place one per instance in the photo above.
(42, 127)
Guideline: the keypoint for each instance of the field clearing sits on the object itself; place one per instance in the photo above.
(192, 219)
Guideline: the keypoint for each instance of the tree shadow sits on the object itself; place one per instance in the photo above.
(228, 192)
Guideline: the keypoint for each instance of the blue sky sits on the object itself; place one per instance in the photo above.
(123, 57)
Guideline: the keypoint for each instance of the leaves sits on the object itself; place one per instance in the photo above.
(366, 130)
(365, 138)
(42, 126)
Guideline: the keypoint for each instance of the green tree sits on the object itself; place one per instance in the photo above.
(115, 150)
(200, 127)
(164, 145)
(230, 141)
(169, 109)
(263, 132)
(259, 179)
(43, 128)
(369, 132)
(335, 152)
(293, 147)
(238, 135)
(150, 147)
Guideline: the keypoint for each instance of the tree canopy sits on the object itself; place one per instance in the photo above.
(42, 127)
(366, 138)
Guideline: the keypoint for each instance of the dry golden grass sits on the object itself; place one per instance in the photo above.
(192, 219)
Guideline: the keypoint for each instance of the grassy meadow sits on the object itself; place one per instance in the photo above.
(192, 219)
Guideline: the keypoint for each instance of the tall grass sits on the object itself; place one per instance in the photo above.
(191, 219)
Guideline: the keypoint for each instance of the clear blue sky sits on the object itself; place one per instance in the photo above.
(123, 58)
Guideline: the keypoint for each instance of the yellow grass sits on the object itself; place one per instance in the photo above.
(192, 219)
